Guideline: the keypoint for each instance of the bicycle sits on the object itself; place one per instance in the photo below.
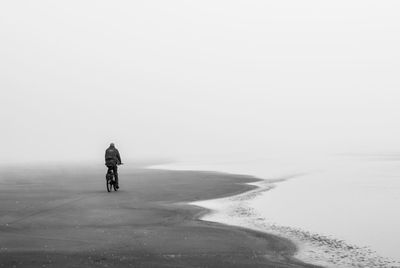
(110, 181)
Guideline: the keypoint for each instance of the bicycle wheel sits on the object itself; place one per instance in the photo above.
(115, 186)
(109, 182)
(109, 185)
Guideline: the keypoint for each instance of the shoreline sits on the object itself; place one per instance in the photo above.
(311, 248)
(56, 219)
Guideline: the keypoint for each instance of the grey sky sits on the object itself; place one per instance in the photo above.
(173, 78)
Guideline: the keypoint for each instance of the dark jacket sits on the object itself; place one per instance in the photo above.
(112, 156)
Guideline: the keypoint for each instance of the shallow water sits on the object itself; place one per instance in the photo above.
(350, 198)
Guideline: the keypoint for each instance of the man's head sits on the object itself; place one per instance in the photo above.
(112, 144)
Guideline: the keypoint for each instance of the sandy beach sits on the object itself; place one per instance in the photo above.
(61, 218)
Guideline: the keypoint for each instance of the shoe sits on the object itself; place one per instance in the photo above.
(117, 186)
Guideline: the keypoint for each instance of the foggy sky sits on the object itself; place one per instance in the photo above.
(179, 78)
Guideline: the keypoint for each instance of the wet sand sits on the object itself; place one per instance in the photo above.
(60, 218)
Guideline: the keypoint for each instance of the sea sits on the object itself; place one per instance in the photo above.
(342, 210)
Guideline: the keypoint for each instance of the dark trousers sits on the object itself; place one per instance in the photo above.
(114, 168)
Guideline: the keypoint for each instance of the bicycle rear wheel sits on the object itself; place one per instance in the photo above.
(109, 182)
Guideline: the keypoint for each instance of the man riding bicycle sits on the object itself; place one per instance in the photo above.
(113, 159)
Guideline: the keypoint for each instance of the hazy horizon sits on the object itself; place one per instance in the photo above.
(172, 79)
